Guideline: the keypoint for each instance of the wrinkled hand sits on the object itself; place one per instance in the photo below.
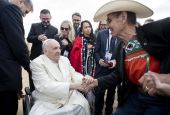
(113, 63)
(103, 64)
(150, 83)
(64, 42)
(84, 86)
(42, 37)
(76, 86)
(160, 83)
(89, 83)
(80, 87)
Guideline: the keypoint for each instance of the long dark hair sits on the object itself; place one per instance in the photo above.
(81, 28)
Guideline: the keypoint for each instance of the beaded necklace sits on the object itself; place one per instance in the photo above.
(87, 58)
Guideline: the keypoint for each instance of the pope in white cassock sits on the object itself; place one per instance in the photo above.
(56, 84)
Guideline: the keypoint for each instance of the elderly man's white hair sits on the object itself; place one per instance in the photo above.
(45, 43)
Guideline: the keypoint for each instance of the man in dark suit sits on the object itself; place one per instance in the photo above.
(104, 53)
(76, 19)
(13, 53)
(40, 32)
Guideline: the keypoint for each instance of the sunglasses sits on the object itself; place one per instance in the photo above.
(66, 29)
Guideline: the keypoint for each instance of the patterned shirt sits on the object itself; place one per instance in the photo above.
(138, 61)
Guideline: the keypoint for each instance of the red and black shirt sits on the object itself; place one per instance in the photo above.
(138, 61)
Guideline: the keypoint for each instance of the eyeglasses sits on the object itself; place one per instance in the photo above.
(66, 29)
(103, 24)
(76, 20)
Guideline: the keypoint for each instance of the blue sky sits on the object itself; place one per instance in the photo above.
(63, 9)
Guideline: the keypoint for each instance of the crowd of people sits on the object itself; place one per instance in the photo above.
(67, 63)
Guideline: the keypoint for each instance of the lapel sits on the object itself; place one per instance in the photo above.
(42, 30)
(112, 44)
(51, 69)
(105, 38)
(48, 30)
(39, 28)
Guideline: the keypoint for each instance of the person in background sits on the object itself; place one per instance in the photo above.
(14, 53)
(138, 54)
(105, 59)
(102, 25)
(40, 32)
(57, 84)
(66, 38)
(82, 53)
(76, 20)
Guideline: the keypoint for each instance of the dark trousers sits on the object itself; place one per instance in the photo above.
(99, 101)
(8, 102)
(143, 104)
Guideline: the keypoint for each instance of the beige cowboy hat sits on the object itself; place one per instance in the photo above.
(139, 9)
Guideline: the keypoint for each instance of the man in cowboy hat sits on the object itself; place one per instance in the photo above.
(141, 51)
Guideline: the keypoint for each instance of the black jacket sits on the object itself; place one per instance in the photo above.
(155, 39)
(13, 49)
(35, 31)
(100, 50)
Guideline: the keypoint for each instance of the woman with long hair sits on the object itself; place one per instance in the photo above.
(82, 53)
(65, 37)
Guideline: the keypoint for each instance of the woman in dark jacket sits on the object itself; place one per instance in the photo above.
(66, 37)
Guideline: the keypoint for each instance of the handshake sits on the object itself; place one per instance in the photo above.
(87, 84)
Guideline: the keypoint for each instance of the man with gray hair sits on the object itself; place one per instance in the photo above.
(138, 57)
(14, 53)
(57, 84)
(25, 6)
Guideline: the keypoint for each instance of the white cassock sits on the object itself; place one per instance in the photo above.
(52, 95)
